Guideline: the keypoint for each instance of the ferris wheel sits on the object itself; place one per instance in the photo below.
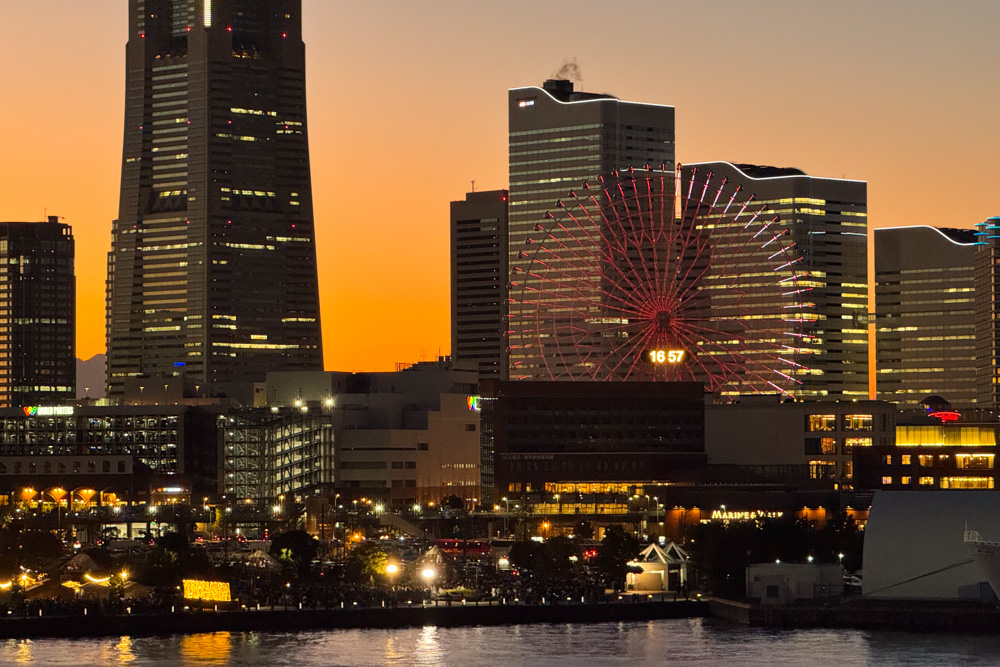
(651, 275)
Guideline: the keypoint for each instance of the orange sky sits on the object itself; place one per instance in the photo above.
(407, 103)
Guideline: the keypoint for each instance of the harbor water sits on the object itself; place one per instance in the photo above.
(677, 641)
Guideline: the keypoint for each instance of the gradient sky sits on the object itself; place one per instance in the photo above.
(407, 104)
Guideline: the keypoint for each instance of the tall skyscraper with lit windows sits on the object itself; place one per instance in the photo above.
(212, 270)
(827, 222)
(37, 313)
(559, 139)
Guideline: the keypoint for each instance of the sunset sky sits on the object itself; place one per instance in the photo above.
(407, 104)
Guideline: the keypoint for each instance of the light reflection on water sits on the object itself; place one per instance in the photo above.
(683, 641)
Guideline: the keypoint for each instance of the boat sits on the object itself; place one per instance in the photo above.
(987, 557)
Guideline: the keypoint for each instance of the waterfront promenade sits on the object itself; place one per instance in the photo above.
(629, 608)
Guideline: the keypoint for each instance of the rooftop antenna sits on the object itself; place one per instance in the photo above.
(473, 185)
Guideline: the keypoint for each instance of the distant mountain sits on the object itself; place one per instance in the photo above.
(90, 377)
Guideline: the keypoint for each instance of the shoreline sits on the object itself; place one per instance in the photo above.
(294, 620)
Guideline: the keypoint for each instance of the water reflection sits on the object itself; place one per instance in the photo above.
(207, 649)
(24, 651)
(429, 650)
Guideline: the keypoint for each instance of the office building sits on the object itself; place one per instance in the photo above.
(925, 340)
(212, 270)
(400, 438)
(987, 279)
(562, 141)
(827, 226)
(569, 438)
(37, 313)
(120, 449)
(763, 439)
(479, 278)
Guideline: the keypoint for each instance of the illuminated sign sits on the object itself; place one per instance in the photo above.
(666, 356)
(47, 411)
(752, 515)
(473, 402)
(210, 591)
(945, 415)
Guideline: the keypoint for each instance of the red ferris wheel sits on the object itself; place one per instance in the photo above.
(651, 275)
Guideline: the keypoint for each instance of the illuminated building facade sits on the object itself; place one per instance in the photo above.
(957, 455)
(560, 138)
(37, 313)
(827, 222)
(762, 438)
(109, 446)
(987, 277)
(925, 314)
(592, 437)
(212, 270)
(401, 438)
(479, 276)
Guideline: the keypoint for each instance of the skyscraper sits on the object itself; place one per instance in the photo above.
(479, 281)
(212, 270)
(925, 330)
(37, 313)
(987, 280)
(560, 139)
(827, 223)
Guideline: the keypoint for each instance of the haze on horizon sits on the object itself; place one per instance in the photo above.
(407, 104)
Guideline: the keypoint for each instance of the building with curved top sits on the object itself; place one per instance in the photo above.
(925, 340)
(827, 222)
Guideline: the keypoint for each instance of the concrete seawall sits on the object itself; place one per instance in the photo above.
(916, 616)
(295, 620)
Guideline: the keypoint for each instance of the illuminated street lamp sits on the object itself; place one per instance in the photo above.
(428, 574)
(391, 569)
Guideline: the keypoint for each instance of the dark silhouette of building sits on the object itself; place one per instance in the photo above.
(479, 281)
(589, 437)
(987, 278)
(212, 270)
(925, 331)
(37, 313)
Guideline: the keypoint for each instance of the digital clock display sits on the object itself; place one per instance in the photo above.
(672, 357)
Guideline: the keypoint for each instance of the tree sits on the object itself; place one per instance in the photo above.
(617, 549)
(296, 548)
(368, 560)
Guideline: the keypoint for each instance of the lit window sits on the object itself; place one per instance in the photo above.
(821, 422)
(857, 422)
(886, 480)
(905, 480)
(907, 459)
(927, 480)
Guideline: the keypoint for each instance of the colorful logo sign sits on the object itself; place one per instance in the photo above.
(474, 402)
(30, 410)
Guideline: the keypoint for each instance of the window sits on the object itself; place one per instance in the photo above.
(422, 446)
(771, 592)
(397, 465)
(887, 459)
(410, 464)
(410, 482)
(822, 470)
(851, 443)
(470, 427)
(886, 481)
(926, 461)
(821, 422)
(106, 466)
(905, 480)
(907, 459)
(121, 466)
(966, 482)
(857, 422)
(974, 461)
(927, 480)
(828, 445)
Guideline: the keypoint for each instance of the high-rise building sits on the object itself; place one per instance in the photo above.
(37, 313)
(212, 270)
(561, 139)
(925, 333)
(479, 281)
(827, 223)
(987, 280)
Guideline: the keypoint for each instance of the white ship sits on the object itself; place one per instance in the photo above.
(987, 557)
